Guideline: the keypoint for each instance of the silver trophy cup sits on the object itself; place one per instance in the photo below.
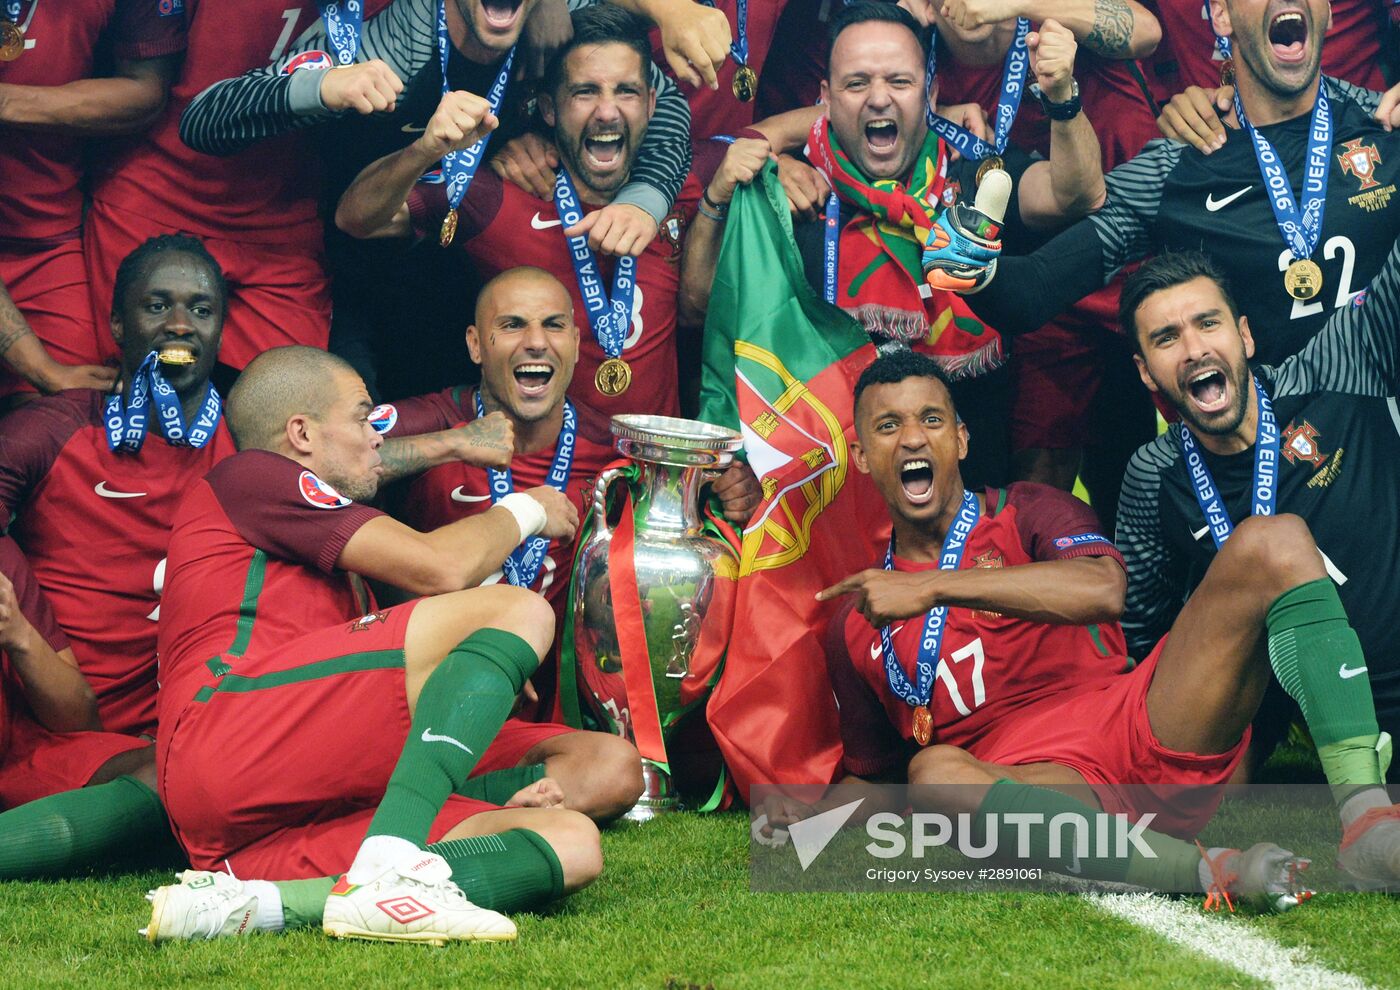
(676, 564)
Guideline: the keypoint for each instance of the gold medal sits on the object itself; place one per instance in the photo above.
(449, 228)
(1303, 279)
(613, 377)
(923, 725)
(11, 41)
(175, 354)
(745, 84)
(989, 164)
(1227, 72)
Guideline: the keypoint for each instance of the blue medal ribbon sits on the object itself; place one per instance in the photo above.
(1265, 487)
(930, 645)
(739, 50)
(1222, 45)
(831, 247)
(459, 167)
(523, 565)
(128, 422)
(343, 20)
(608, 315)
(12, 11)
(1013, 87)
(1300, 232)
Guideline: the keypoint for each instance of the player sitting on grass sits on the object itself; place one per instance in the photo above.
(1025, 701)
(296, 718)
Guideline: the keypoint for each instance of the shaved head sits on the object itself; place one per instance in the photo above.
(494, 293)
(277, 385)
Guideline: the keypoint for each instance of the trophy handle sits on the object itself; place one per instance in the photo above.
(600, 501)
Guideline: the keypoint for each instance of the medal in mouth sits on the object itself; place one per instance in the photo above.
(176, 354)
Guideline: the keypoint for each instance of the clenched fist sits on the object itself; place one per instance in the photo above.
(744, 159)
(365, 87)
(561, 515)
(1052, 51)
(460, 121)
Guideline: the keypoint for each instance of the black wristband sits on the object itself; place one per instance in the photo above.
(717, 207)
(1067, 110)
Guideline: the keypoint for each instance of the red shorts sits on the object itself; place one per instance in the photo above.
(276, 296)
(50, 287)
(36, 763)
(276, 769)
(1102, 732)
(516, 738)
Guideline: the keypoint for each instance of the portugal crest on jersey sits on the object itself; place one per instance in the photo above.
(319, 494)
(1361, 161)
(1300, 444)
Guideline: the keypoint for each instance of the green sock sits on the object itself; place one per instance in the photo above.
(509, 871)
(499, 786)
(1318, 660)
(87, 828)
(304, 901)
(1173, 868)
(461, 708)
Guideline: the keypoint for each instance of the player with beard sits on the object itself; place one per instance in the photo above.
(1295, 253)
(597, 99)
(526, 343)
(266, 623)
(892, 175)
(1314, 436)
(993, 590)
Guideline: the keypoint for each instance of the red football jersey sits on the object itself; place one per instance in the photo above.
(1188, 56)
(95, 525)
(41, 172)
(502, 227)
(456, 491)
(266, 194)
(35, 608)
(720, 111)
(990, 664)
(252, 565)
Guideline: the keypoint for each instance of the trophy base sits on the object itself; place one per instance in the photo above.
(658, 795)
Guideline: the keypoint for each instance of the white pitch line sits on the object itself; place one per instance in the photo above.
(1233, 944)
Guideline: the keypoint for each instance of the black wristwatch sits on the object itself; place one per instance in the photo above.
(1067, 110)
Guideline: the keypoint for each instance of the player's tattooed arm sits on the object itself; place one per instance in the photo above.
(486, 442)
(25, 355)
(1118, 29)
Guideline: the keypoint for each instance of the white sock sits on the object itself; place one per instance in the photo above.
(1203, 871)
(1361, 802)
(269, 917)
(377, 854)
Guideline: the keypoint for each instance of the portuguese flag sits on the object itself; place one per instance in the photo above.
(780, 365)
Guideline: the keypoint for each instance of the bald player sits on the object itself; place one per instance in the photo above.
(271, 646)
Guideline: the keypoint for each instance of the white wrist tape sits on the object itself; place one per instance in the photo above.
(529, 514)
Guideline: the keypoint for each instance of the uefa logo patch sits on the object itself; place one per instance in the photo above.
(314, 59)
(319, 494)
(383, 417)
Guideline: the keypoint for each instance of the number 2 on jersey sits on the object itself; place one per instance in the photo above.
(1338, 242)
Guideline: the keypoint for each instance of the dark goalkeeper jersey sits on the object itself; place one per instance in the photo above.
(1171, 197)
(1339, 448)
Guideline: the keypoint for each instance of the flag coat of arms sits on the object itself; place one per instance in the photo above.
(780, 365)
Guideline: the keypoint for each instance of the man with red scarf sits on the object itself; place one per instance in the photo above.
(891, 177)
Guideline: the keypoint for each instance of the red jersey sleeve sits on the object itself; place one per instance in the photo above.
(429, 413)
(148, 28)
(1054, 525)
(427, 206)
(872, 745)
(285, 510)
(31, 438)
(32, 603)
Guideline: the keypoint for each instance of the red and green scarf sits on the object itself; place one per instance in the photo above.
(880, 272)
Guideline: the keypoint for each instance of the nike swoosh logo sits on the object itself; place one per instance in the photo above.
(1347, 673)
(102, 489)
(1200, 532)
(875, 647)
(541, 224)
(1213, 204)
(411, 129)
(457, 496)
(428, 736)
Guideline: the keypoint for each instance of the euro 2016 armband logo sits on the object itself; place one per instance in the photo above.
(319, 494)
(314, 59)
(383, 417)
